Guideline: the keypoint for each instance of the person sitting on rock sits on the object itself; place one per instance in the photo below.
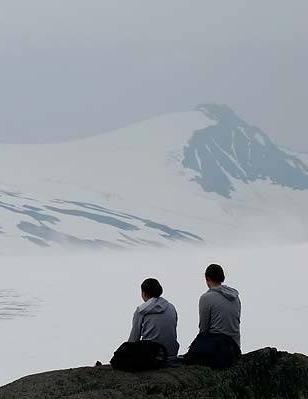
(218, 341)
(156, 319)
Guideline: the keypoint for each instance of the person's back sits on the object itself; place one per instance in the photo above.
(156, 319)
(220, 312)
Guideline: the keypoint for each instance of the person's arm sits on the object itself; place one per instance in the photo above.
(204, 315)
(240, 310)
(135, 334)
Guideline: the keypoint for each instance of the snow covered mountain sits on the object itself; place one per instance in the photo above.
(232, 148)
(203, 176)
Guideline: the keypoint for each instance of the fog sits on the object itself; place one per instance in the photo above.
(68, 311)
(72, 68)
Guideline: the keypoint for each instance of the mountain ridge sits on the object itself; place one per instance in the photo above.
(176, 177)
(234, 148)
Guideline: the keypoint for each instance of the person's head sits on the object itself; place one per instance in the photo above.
(214, 275)
(151, 288)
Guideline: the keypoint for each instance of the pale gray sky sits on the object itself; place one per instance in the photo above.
(79, 67)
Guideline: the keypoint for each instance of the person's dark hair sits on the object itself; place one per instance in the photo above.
(151, 288)
(215, 273)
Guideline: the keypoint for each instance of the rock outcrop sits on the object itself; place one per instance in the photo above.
(263, 374)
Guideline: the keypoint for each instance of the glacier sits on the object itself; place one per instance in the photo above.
(203, 176)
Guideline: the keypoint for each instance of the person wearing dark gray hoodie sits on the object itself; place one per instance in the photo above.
(156, 319)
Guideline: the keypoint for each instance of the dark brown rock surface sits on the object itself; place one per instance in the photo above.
(263, 374)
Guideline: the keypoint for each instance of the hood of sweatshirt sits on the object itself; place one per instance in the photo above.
(153, 305)
(229, 293)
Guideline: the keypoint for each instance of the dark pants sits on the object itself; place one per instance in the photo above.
(213, 350)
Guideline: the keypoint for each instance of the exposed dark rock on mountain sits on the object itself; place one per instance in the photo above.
(263, 374)
(233, 150)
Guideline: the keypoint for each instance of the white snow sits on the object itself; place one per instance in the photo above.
(260, 139)
(131, 170)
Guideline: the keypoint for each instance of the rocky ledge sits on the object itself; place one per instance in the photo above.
(263, 374)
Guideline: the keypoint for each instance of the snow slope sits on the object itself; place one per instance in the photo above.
(203, 176)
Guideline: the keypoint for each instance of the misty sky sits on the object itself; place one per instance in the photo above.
(71, 68)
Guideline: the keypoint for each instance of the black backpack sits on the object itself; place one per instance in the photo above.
(139, 356)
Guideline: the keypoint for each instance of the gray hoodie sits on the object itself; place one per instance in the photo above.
(220, 312)
(156, 320)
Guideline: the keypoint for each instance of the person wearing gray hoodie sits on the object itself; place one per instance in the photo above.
(156, 319)
(218, 342)
(220, 306)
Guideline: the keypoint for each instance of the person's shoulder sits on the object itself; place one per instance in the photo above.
(170, 305)
(208, 296)
(205, 296)
(138, 309)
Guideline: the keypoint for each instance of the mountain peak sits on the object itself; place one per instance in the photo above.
(231, 150)
(220, 112)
